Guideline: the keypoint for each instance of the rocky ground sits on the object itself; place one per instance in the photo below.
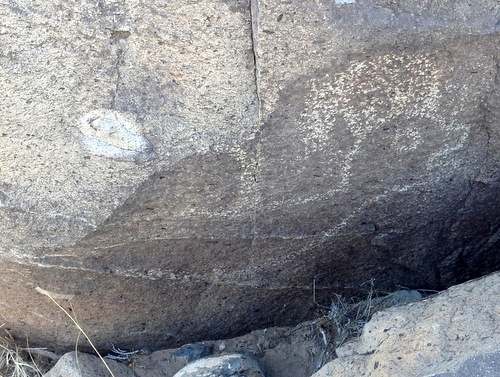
(281, 351)
(455, 333)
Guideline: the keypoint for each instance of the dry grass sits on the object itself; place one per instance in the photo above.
(52, 296)
(344, 319)
(14, 359)
(341, 321)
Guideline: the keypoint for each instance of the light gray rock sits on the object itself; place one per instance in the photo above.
(185, 171)
(455, 333)
(486, 365)
(222, 366)
(89, 114)
(84, 365)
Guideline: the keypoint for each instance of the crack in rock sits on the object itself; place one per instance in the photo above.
(254, 26)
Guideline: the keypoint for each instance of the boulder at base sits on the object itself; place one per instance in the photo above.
(453, 334)
(233, 365)
(79, 364)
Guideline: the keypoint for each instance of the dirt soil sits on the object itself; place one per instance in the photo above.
(283, 352)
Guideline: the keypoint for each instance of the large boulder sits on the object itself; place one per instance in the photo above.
(187, 170)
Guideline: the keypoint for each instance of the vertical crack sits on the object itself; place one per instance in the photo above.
(118, 36)
(119, 60)
(254, 27)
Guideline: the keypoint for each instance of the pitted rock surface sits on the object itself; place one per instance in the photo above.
(186, 171)
(84, 365)
(222, 366)
(455, 333)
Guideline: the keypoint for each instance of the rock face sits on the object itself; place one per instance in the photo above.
(186, 171)
(453, 334)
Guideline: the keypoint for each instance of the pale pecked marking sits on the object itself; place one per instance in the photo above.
(112, 134)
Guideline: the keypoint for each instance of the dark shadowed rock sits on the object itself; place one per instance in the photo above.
(186, 171)
(191, 352)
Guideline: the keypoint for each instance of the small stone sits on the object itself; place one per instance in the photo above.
(84, 365)
(234, 365)
(192, 352)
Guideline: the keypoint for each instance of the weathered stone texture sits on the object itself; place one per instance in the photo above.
(187, 169)
(83, 365)
(183, 74)
(452, 334)
(233, 365)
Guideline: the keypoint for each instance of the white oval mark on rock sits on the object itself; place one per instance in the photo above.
(344, 2)
(110, 133)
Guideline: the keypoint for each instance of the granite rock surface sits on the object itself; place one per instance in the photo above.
(455, 333)
(450, 334)
(222, 366)
(80, 364)
(185, 171)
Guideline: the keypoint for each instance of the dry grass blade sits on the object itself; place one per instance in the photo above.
(50, 295)
(345, 319)
(12, 363)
